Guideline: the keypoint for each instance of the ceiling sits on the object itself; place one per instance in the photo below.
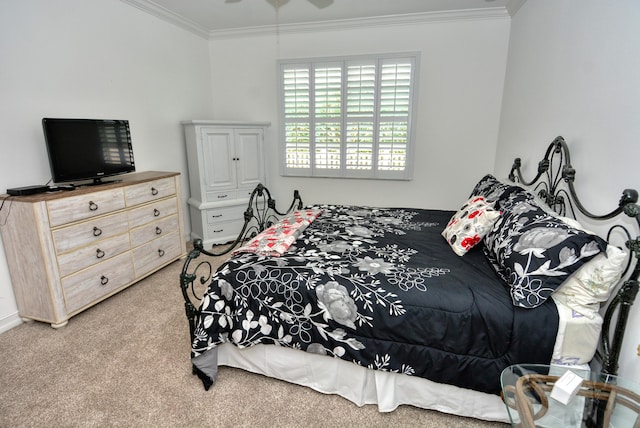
(210, 18)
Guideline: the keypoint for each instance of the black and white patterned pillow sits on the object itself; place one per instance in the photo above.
(533, 251)
(490, 187)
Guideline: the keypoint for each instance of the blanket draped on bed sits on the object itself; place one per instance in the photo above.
(380, 288)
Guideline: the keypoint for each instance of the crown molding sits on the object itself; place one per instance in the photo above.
(339, 24)
(355, 23)
(166, 15)
(513, 6)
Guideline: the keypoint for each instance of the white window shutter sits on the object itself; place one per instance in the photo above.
(348, 117)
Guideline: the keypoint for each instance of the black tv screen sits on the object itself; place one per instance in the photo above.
(83, 149)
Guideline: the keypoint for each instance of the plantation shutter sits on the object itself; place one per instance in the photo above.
(348, 117)
(327, 102)
(297, 123)
(361, 106)
(395, 97)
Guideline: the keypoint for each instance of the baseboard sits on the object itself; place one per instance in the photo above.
(9, 322)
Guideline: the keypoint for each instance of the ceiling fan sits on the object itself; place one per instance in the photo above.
(320, 4)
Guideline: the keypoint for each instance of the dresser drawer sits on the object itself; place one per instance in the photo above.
(152, 212)
(87, 286)
(224, 232)
(74, 208)
(222, 214)
(156, 253)
(150, 191)
(86, 256)
(91, 231)
(150, 231)
(228, 195)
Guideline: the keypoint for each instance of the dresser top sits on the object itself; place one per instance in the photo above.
(110, 183)
(230, 123)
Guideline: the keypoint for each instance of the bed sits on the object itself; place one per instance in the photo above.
(393, 306)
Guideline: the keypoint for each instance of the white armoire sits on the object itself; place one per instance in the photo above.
(226, 162)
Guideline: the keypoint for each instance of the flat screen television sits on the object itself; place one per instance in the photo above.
(87, 149)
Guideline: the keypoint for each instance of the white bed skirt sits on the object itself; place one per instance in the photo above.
(361, 385)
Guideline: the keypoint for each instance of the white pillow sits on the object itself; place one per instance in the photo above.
(470, 224)
(592, 283)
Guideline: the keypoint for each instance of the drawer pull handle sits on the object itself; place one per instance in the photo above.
(92, 206)
(154, 191)
(99, 253)
(97, 231)
(158, 230)
(218, 231)
(104, 280)
(216, 215)
(156, 213)
(161, 253)
(222, 196)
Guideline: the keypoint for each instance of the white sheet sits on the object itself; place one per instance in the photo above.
(575, 344)
(577, 337)
(361, 385)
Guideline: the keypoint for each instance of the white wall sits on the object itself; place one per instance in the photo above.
(574, 70)
(93, 59)
(460, 90)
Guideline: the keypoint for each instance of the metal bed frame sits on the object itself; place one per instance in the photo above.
(261, 213)
(553, 183)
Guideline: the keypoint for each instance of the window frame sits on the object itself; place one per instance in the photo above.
(342, 171)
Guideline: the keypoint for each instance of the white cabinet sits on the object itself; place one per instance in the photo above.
(68, 251)
(226, 162)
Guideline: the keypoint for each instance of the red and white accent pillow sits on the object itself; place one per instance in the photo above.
(277, 239)
(470, 224)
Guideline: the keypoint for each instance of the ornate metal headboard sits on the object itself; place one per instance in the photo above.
(261, 213)
(554, 184)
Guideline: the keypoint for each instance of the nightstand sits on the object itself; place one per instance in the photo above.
(600, 400)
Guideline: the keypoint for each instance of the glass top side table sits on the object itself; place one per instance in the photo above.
(601, 401)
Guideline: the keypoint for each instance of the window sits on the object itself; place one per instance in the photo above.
(348, 117)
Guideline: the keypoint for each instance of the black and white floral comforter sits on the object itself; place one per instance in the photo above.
(380, 288)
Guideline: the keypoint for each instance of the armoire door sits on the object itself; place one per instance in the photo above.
(218, 159)
(249, 157)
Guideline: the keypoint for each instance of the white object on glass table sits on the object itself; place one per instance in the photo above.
(566, 387)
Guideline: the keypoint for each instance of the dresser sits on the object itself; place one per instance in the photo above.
(69, 250)
(226, 162)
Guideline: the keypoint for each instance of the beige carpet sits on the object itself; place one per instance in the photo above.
(125, 362)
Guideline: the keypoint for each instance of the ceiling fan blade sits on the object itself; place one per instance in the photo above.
(321, 4)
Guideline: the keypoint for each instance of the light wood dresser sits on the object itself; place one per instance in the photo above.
(69, 250)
